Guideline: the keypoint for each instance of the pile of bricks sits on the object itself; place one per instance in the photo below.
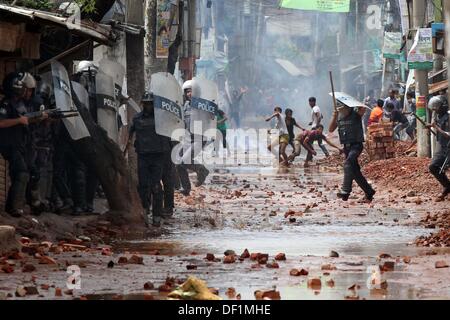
(380, 142)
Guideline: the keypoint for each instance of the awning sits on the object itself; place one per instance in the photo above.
(438, 86)
(99, 33)
(293, 70)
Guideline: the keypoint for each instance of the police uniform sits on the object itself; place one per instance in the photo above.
(351, 135)
(442, 152)
(151, 149)
(12, 148)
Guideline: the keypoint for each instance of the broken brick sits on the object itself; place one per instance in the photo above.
(280, 257)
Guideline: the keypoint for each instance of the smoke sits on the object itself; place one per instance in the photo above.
(284, 56)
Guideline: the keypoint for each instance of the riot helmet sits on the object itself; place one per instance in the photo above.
(187, 85)
(16, 84)
(86, 66)
(147, 97)
(147, 102)
(438, 104)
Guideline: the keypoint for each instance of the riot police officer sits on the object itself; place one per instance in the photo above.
(182, 169)
(151, 149)
(348, 121)
(13, 125)
(439, 105)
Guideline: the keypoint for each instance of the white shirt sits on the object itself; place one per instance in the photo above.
(280, 124)
(316, 111)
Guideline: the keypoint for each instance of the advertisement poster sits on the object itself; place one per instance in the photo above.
(317, 5)
(392, 45)
(166, 22)
(420, 56)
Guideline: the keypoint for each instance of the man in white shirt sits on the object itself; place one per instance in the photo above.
(317, 117)
(283, 139)
(393, 99)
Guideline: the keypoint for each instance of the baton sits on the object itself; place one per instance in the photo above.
(444, 166)
(423, 123)
(332, 89)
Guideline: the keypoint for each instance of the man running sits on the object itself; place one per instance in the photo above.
(283, 139)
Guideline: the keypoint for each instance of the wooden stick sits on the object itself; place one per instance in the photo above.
(332, 89)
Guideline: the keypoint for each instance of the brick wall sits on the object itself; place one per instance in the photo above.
(380, 143)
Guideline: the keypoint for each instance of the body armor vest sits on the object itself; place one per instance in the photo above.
(350, 128)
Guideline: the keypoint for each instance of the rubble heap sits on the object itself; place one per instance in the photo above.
(380, 142)
(441, 238)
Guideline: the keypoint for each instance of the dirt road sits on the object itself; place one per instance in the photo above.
(268, 211)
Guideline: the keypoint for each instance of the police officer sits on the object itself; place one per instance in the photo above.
(13, 125)
(348, 121)
(182, 169)
(151, 149)
(86, 72)
(439, 105)
(35, 153)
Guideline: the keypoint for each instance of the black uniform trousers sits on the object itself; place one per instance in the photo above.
(352, 169)
(436, 165)
(168, 180)
(150, 173)
(19, 176)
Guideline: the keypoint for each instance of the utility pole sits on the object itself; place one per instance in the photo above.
(446, 9)
(423, 135)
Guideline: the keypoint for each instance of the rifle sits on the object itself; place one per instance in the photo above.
(54, 114)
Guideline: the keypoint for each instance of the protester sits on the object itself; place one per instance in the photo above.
(307, 139)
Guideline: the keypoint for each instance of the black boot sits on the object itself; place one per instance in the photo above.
(343, 195)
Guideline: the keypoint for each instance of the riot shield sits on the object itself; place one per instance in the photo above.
(117, 72)
(63, 97)
(204, 107)
(107, 105)
(81, 93)
(168, 97)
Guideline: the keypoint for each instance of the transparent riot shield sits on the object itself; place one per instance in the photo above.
(204, 107)
(117, 72)
(63, 98)
(168, 97)
(81, 93)
(107, 105)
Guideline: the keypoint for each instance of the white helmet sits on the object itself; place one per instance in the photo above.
(85, 66)
(437, 102)
(28, 81)
(187, 85)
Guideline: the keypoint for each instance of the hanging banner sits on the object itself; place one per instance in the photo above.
(392, 45)
(167, 26)
(317, 5)
(420, 56)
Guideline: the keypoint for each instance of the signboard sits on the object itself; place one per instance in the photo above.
(317, 5)
(420, 56)
(392, 45)
(166, 29)
(438, 30)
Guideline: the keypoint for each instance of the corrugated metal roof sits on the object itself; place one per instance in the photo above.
(97, 32)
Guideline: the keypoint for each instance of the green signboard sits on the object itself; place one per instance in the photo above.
(392, 44)
(420, 56)
(317, 5)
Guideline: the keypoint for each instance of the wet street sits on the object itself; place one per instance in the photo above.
(267, 211)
